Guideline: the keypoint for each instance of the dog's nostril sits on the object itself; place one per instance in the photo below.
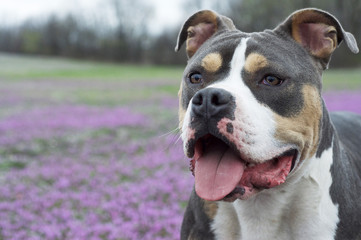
(220, 98)
(198, 100)
(215, 100)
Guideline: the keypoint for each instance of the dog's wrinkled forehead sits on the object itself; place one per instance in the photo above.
(265, 51)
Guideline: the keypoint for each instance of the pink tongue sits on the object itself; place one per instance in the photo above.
(217, 171)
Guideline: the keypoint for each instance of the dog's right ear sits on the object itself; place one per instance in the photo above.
(319, 32)
(200, 27)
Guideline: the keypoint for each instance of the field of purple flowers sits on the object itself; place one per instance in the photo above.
(92, 158)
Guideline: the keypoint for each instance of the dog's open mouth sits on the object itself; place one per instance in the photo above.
(220, 174)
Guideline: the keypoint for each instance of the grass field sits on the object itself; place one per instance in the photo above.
(90, 150)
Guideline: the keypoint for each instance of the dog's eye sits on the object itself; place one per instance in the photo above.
(195, 78)
(272, 81)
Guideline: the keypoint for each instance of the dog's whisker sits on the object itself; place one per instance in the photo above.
(174, 131)
(179, 138)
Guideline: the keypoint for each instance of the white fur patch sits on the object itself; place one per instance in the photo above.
(186, 134)
(320, 172)
(225, 224)
(255, 124)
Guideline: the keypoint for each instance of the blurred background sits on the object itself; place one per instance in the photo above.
(139, 31)
(89, 139)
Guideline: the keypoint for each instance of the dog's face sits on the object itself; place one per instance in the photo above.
(250, 105)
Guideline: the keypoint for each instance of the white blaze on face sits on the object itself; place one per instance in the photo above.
(254, 124)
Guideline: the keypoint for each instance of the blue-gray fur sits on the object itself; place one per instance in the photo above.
(346, 168)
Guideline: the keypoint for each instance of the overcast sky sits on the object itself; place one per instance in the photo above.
(167, 12)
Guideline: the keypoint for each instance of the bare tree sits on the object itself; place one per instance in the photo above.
(132, 17)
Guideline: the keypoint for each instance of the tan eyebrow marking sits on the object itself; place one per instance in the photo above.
(254, 62)
(212, 62)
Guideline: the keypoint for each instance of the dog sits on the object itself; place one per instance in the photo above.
(269, 160)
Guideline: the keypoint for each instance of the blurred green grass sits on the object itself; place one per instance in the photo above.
(141, 80)
(89, 82)
(147, 89)
(17, 67)
(101, 70)
(342, 79)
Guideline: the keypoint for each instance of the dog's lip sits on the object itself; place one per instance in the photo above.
(202, 140)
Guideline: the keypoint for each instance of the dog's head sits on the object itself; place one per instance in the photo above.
(250, 105)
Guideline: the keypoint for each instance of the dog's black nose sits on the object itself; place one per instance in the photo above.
(211, 102)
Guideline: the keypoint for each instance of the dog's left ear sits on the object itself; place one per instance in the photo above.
(199, 28)
(319, 32)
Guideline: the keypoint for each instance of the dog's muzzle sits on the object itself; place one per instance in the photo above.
(217, 163)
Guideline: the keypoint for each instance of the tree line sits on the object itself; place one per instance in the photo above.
(128, 38)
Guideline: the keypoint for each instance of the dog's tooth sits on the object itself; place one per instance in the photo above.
(192, 166)
(239, 190)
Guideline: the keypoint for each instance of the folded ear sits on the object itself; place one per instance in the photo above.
(319, 32)
(200, 27)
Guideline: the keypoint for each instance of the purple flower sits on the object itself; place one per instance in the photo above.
(88, 172)
(44, 123)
